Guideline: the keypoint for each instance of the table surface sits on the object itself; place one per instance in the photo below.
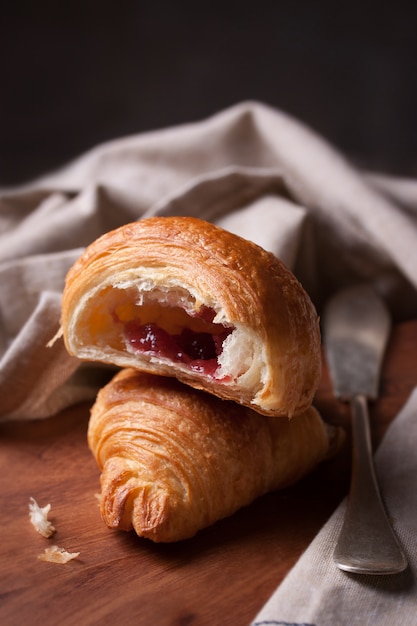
(224, 575)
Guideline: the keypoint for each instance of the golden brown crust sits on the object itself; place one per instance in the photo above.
(175, 460)
(271, 361)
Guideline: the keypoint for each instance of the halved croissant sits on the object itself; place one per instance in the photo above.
(175, 460)
(178, 296)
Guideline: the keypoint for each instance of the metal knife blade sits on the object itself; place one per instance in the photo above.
(357, 326)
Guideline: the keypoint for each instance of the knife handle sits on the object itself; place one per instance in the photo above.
(367, 543)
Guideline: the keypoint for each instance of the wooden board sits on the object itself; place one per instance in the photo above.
(222, 576)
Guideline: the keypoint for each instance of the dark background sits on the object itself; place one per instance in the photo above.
(74, 74)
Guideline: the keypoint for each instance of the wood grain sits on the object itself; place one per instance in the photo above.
(222, 576)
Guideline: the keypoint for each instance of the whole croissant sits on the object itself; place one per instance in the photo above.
(178, 296)
(175, 460)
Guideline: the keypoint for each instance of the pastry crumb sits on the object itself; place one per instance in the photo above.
(55, 554)
(39, 518)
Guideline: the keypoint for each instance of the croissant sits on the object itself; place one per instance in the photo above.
(174, 460)
(178, 296)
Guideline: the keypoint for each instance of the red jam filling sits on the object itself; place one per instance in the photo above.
(197, 350)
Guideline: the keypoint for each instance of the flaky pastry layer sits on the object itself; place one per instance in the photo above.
(174, 460)
(178, 296)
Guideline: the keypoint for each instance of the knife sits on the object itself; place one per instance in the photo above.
(356, 327)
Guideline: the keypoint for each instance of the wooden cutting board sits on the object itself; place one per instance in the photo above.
(223, 576)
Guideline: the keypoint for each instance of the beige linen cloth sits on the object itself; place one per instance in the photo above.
(251, 169)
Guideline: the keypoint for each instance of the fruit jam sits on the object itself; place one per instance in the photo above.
(198, 350)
